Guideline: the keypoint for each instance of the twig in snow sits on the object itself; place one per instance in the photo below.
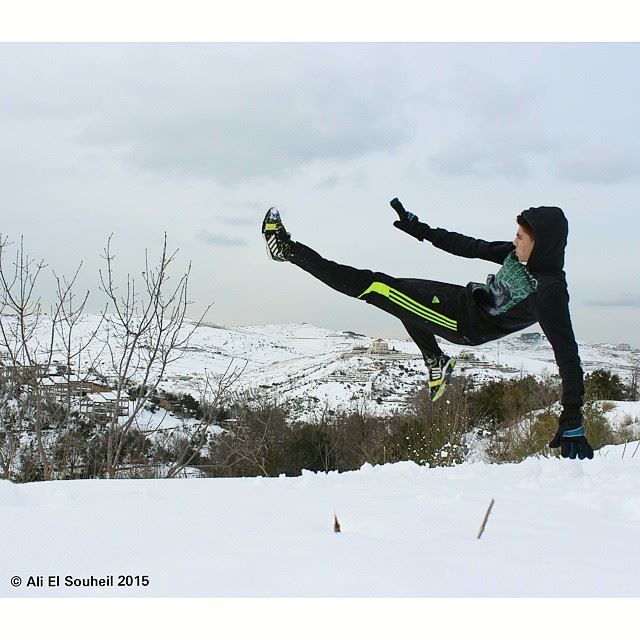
(486, 517)
(336, 524)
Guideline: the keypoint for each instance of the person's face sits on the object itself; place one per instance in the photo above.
(524, 244)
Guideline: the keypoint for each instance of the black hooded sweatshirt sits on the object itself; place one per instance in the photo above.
(519, 296)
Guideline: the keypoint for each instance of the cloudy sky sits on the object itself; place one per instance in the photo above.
(198, 140)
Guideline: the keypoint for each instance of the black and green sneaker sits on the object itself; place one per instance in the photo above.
(440, 370)
(277, 239)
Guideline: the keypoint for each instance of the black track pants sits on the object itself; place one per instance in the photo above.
(425, 307)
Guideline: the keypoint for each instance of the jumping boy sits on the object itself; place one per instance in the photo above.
(529, 287)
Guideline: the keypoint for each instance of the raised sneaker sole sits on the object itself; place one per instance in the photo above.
(271, 228)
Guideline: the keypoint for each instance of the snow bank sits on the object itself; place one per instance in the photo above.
(558, 528)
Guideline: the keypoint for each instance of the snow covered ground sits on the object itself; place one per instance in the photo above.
(558, 528)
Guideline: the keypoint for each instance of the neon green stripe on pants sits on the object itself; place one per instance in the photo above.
(404, 301)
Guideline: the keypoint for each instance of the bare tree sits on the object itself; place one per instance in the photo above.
(9, 442)
(147, 330)
(218, 390)
(216, 393)
(252, 441)
(20, 308)
(66, 315)
(186, 449)
(29, 341)
(24, 357)
(634, 383)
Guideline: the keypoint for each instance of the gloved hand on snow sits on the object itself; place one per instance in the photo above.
(572, 442)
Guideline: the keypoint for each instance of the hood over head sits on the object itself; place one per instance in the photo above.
(551, 230)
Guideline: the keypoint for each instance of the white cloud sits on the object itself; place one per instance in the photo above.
(221, 239)
(230, 113)
(598, 164)
(619, 299)
(135, 139)
(495, 125)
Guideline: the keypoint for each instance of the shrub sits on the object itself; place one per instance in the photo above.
(308, 447)
(182, 405)
(523, 439)
(428, 444)
(252, 442)
(597, 427)
(531, 436)
(434, 433)
(506, 401)
(604, 385)
(358, 437)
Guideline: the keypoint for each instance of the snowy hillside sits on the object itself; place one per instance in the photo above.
(317, 368)
(558, 528)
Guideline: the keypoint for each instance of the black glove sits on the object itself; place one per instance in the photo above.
(408, 222)
(572, 443)
(571, 415)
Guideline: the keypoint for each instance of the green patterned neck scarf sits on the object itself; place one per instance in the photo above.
(511, 285)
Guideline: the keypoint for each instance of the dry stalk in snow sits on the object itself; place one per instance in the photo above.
(486, 517)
